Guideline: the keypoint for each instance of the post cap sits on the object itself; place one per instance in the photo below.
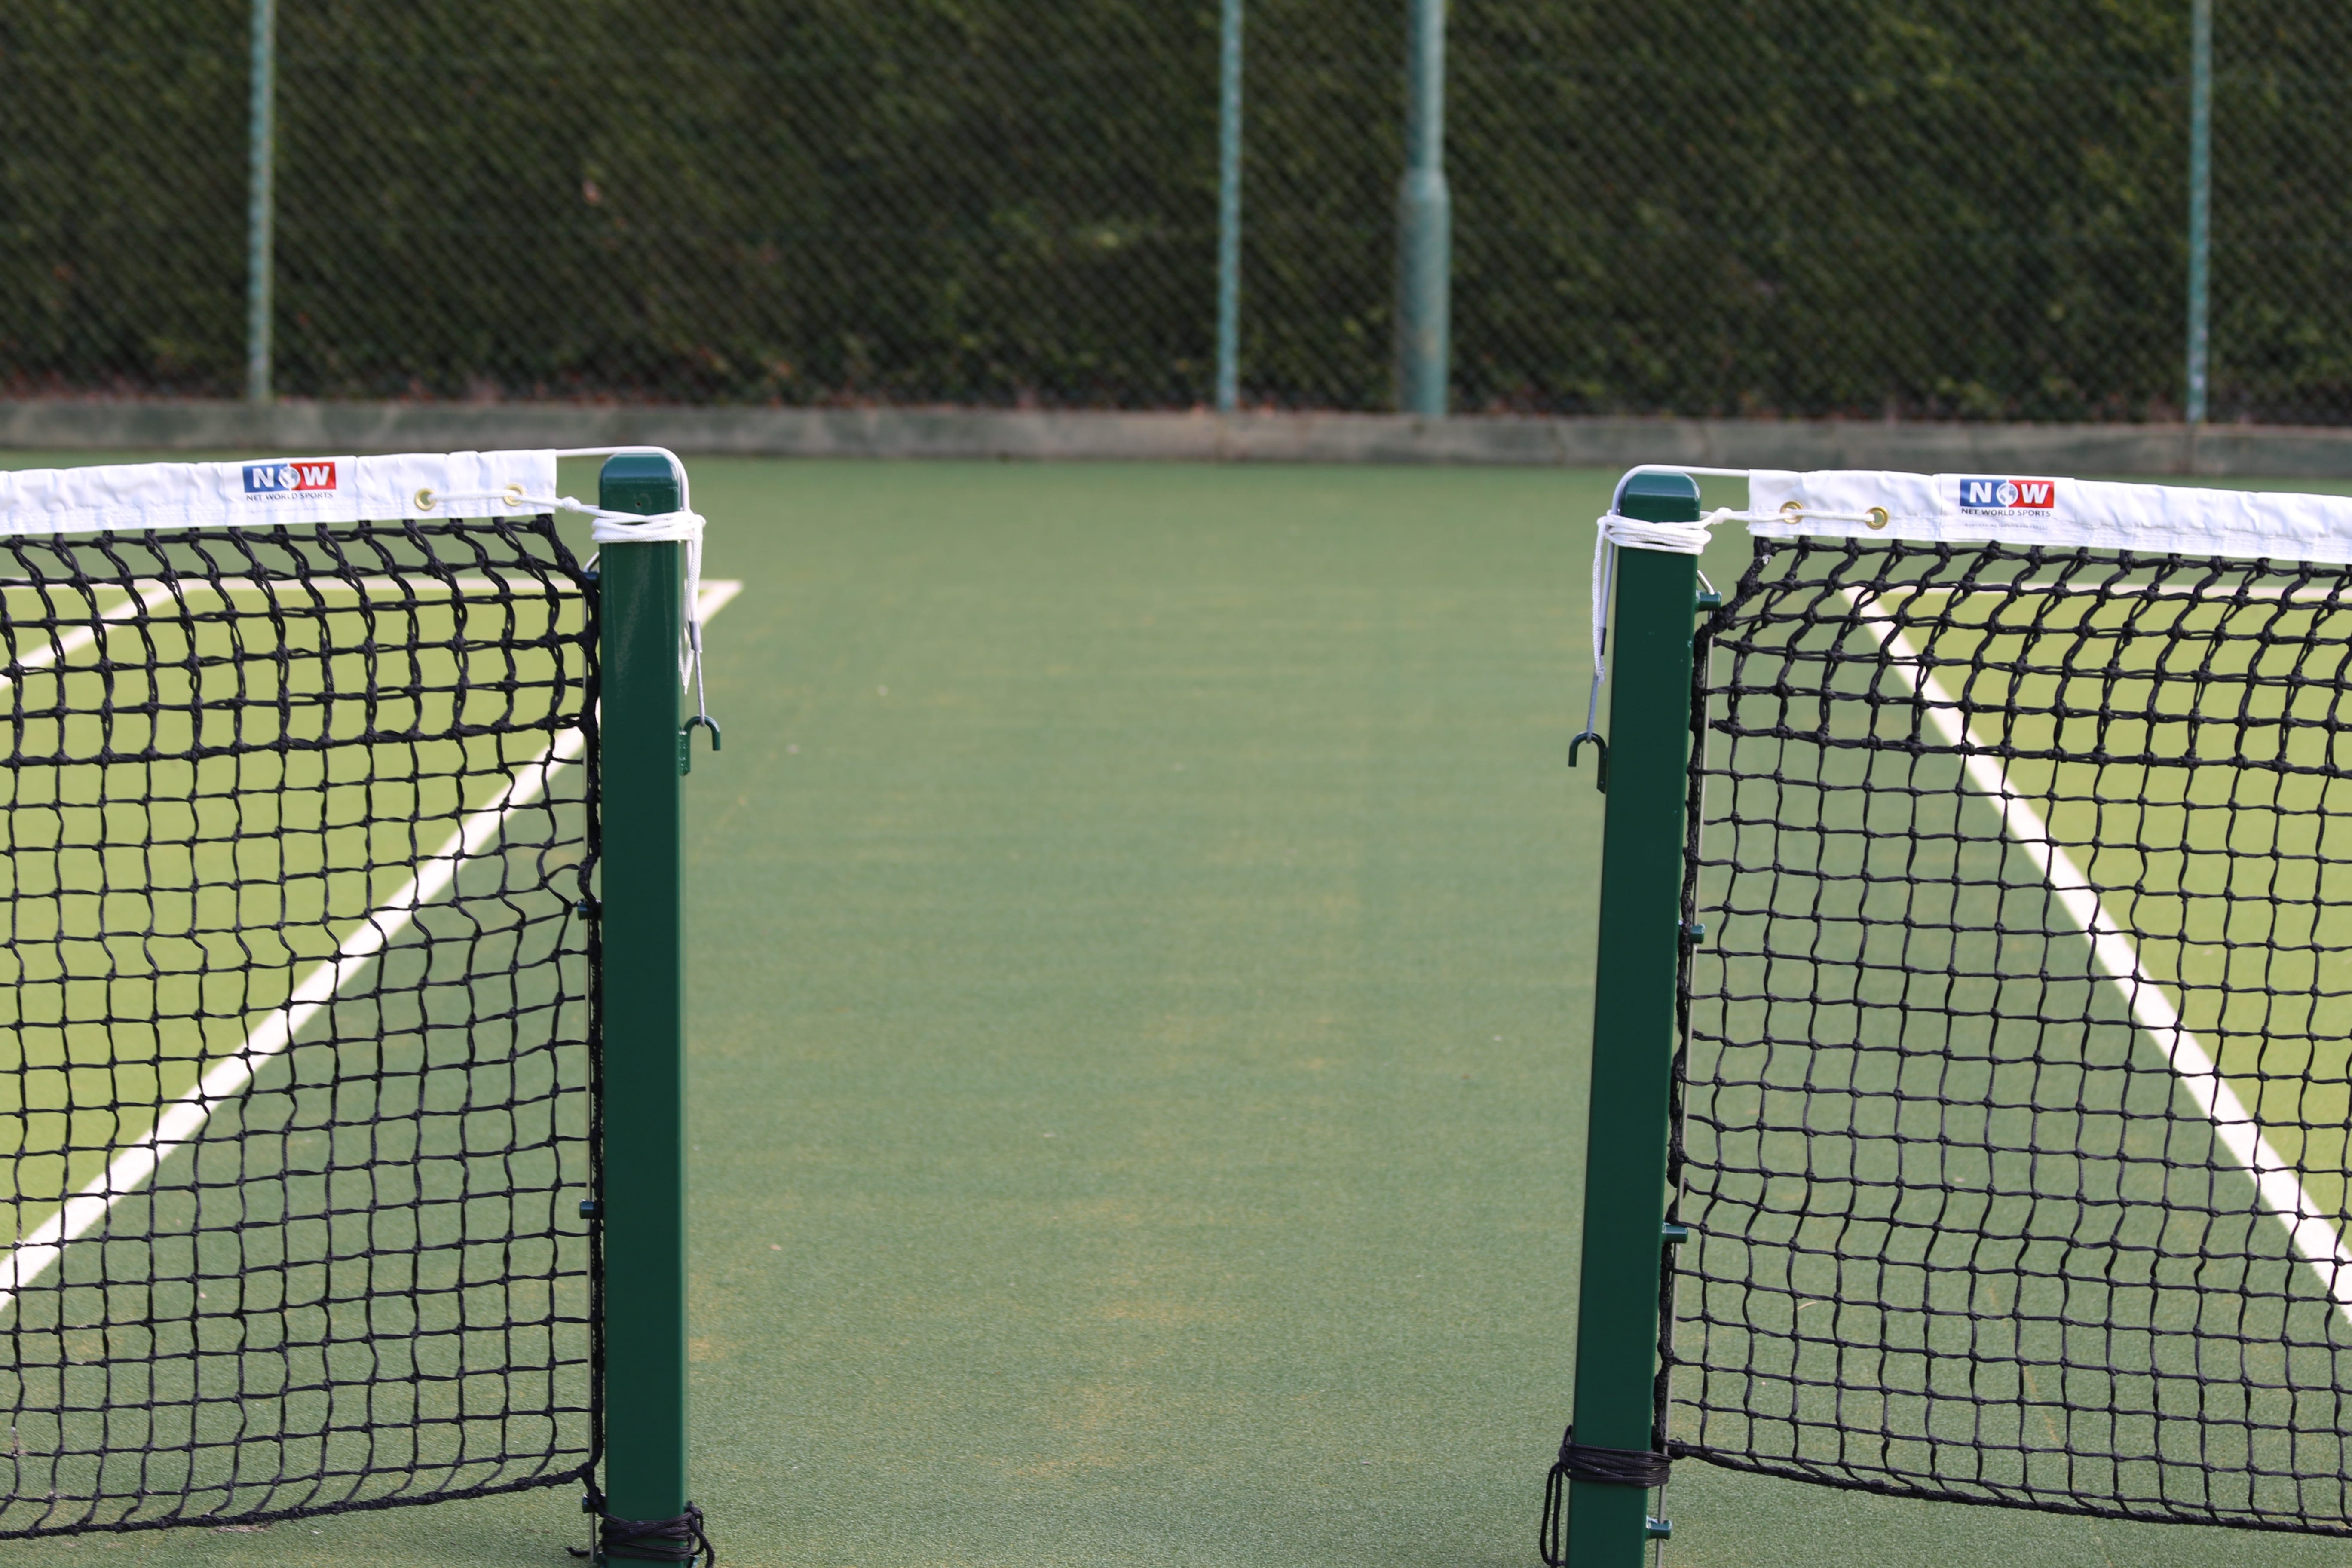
(641, 483)
(1658, 498)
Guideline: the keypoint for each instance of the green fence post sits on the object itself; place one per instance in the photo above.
(1229, 206)
(261, 202)
(1634, 1019)
(2201, 205)
(1424, 285)
(640, 587)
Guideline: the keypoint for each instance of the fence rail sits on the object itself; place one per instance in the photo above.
(1918, 208)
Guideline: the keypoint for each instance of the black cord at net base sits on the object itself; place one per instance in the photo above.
(678, 1539)
(1642, 1468)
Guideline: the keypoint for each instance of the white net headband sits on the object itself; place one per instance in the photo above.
(271, 492)
(292, 492)
(2007, 509)
(2063, 513)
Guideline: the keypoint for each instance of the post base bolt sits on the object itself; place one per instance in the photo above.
(1658, 1528)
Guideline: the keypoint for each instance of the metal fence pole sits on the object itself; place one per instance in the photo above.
(261, 202)
(1634, 1028)
(1229, 208)
(640, 589)
(1424, 223)
(2200, 196)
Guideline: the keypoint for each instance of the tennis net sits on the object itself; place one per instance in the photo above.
(298, 1022)
(2015, 1003)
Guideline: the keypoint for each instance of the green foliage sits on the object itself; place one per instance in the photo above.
(1972, 208)
(821, 201)
(121, 195)
(1915, 207)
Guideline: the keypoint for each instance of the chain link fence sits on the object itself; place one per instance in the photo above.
(1919, 208)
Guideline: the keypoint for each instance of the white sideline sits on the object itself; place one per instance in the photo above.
(132, 1166)
(2312, 1233)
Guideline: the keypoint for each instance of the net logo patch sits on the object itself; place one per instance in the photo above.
(2009, 495)
(285, 478)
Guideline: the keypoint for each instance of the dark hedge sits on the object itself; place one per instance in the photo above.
(1919, 208)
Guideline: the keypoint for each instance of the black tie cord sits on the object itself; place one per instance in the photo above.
(1640, 1467)
(678, 1539)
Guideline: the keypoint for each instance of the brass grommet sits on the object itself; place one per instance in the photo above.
(426, 501)
(514, 495)
(1878, 518)
(1793, 510)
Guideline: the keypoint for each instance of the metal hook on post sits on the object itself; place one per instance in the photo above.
(686, 740)
(1600, 758)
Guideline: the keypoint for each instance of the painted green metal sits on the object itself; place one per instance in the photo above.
(641, 589)
(1425, 224)
(1634, 1019)
(2201, 198)
(261, 203)
(1229, 207)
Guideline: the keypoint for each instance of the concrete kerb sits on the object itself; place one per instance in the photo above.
(2247, 451)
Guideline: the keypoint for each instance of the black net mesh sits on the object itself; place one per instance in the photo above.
(1988, 1209)
(296, 1028)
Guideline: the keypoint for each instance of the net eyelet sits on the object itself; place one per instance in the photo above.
(1878, 518)
(427, 501)
(514, 495)
(1792, 510)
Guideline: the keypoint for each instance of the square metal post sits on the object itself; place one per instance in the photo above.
(643, 1204)
(1633, 1029)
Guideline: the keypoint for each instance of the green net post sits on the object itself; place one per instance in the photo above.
(1633, 1027)
(641, 588)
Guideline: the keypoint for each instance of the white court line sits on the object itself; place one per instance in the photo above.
(718, 592)
(2312, 1231)
(185, 1117)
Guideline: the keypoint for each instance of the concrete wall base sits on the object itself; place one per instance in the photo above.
(193, 425)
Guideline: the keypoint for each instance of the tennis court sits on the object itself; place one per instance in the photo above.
(1138, 1035)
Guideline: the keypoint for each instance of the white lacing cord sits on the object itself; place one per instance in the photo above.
(1612, 532)
(627, 528)
(682, 526)
(1675, 538)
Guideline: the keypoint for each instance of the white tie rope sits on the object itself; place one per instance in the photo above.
(1612, 532)
(665, 528)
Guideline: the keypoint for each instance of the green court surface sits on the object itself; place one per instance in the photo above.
(1141, 993)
